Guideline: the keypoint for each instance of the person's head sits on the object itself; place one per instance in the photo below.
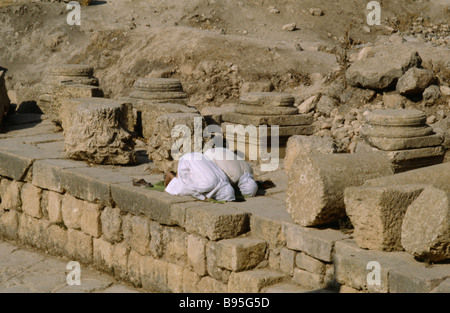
(169, 176)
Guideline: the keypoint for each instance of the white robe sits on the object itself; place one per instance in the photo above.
(201, 178)
(238, 171)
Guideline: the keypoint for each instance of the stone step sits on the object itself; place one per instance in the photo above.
(240, 254)
(254, 281)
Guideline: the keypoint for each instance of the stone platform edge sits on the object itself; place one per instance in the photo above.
(95, 215)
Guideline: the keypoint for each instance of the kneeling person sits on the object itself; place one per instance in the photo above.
(238, 171)
(199, 177)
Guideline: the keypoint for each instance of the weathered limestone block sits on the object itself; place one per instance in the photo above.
(31, 200)
(256, 110)
(377, 214)
(215, 271)
(196, 254)
(136, 233)
(210, 285)
(300, 145)
(184, 126)
(368, 73)
(240, 254)
(68, 109)
(436, 175)
(134, 268)
(315, 193)
(175, 245)
(54, 207)
(4, 99)
(317, 243)
(415, 81)
(150, 112)
(392, 144)
(96, 135)
(9, 224)
(404, 160)
(253, 281)
(160, 90)
(158, 85)
(120, 260)
(287, 261)
(79, 246)
(56, 240)
(191, 281)
(103, 255)
(32, 231)
(216, 222)
(309, 280)
(268, 99)
(257, 120)
(426, 226)
(90, 220)
(11, 198)
(396, 117)
(71, 211)
(309, 264)
(154, 274)
(111, 221)
(396, 131)
(267, 229)
(60, 92)
(75, 73)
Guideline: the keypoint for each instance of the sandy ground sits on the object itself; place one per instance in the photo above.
(213, 46)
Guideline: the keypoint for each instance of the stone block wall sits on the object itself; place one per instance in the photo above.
(175, 244)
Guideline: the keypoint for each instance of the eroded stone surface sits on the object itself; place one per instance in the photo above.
(426, 226)
(96, 135)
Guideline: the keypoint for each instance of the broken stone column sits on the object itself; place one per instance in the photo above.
(96, 135)
(436, 175)
(404, 138)
(66, 81)
(69, 106)
(315, 192)
(174, 135)
(377, 212)
(4, 99)
(426, 226)
(154, 97)
(300, 145)
(265, 109)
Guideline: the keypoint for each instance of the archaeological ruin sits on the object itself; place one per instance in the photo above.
(357, 136)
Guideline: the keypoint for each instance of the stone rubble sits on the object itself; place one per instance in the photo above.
(426, 226)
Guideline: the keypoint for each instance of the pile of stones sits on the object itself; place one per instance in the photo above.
(404, 138)
(437, 33)
(152, 98)
(66, 81)
(266, 109)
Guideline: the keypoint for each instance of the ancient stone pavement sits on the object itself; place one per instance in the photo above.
(25, 271)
